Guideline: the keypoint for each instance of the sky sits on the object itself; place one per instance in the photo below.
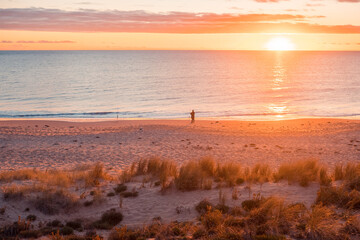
(179, 24)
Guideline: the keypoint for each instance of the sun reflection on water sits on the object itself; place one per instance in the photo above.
(278, 85)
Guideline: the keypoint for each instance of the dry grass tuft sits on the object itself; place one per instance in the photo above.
(54, 201)
(322, 224)
(260, 173)
(96, 174)
(302, 172)
(190, 177)
(229, 172)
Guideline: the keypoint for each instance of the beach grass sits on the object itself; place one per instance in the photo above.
(258, 217)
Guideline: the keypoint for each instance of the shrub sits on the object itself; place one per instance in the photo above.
(240, 181)
(66, 230)
(88, 203)
(52, 202)
(212, 219)
(321, 224)
(270, 237)
(337, 196)
(30, 234)
(124, 233)
(352, 226)
(236, 211)
(55, 223)
(250, 204)
(120, 188)
(76, 225)
(31, 217)
(353, 183)
(109, 219)
(203, 206)
(222, 208)
(110, 194)
(235, 222)
(129, 194)
(13, 193)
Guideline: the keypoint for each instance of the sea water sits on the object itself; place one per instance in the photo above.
(169, 84)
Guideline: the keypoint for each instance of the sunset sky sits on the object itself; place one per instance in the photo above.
(178, 24)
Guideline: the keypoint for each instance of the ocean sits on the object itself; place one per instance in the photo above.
(254, 85)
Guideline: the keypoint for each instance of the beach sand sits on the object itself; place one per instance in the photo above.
(46, 144)
(49, 144)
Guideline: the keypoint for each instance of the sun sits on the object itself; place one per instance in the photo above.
(280, 44)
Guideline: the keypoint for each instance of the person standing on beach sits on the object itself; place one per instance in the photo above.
(192, 114)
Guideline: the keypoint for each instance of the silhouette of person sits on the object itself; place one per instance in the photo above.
(192, 114)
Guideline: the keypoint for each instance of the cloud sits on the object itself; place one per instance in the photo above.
(267, 1)
(350, 1)
(40, 41)
(272, 1)
(39, 19)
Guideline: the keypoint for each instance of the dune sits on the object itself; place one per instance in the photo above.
(50, 146)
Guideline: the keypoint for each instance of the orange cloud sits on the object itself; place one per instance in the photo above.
(39, 19)
(40, 41)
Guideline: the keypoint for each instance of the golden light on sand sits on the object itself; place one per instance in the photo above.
(280, 44)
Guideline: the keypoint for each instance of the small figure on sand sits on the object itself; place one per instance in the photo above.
(192, 114)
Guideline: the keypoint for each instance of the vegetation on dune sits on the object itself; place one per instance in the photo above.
(255, 218)
(302, 172)
(53, 202)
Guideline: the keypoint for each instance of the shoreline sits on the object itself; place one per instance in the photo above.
(233, 118)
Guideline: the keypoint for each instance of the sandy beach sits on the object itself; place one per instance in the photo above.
(49, 144)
